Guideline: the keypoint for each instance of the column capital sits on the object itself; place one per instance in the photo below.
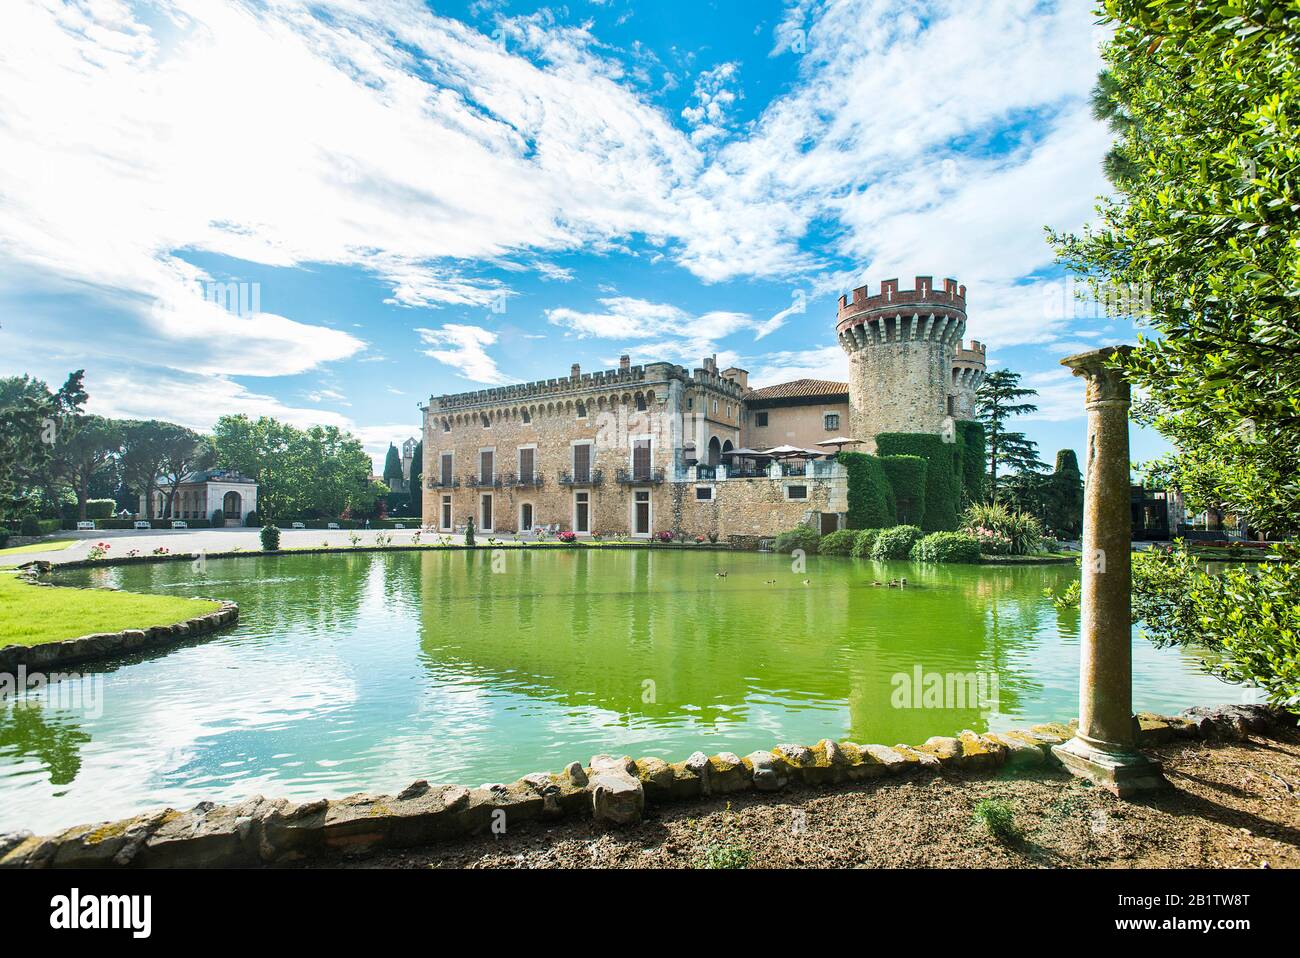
(1106, 382)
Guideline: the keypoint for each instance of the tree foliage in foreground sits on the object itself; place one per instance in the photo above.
(1247, 617)
(1205, 103)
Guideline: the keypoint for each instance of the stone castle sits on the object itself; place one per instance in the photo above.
(646, 449)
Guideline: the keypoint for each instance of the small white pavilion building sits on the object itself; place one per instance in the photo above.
(200, 494)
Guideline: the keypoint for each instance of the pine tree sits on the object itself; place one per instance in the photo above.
(997, 402)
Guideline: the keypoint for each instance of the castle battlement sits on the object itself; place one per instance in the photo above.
(972, 355)
(890, 295)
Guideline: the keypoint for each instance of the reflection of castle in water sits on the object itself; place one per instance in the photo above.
(603, 630)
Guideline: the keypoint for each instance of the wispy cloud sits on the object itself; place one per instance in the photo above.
(464, 348)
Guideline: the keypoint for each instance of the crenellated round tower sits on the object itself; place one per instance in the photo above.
(902, 346)
(967, 374)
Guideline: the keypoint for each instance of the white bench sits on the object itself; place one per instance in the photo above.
(180, 524)
(85, 524)
(142, 524)
(398, 525)
(299, 525)
(331, 525)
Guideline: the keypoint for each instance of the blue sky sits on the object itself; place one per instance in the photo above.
(436, 197)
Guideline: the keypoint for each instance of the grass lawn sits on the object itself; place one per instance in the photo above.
(53, 546)
(31, 614)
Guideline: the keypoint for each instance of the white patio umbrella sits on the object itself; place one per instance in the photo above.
(840, 441)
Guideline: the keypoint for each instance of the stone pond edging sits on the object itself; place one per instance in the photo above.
(612, 791)
(101, 645)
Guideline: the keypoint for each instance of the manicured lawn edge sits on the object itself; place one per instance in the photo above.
(215, 614)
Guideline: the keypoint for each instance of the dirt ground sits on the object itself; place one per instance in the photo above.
(1231, 805)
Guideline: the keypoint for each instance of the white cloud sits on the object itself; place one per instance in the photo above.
(823, 362)
(464, 348)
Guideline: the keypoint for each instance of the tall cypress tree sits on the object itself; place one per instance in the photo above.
(417, 479)
(392, 466)
(1065, 501)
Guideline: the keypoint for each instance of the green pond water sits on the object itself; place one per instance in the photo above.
(365, 672)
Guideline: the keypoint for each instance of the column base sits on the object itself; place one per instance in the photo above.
(1124, 773)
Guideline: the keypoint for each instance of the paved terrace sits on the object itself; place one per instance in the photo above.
(211, 540)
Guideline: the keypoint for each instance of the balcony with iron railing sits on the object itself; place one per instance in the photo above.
(593, 477)
(483, 482)
(533, 480)
(437, 482)
(641, 476)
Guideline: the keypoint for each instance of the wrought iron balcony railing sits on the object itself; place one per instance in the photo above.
(533, 480)
(483, 482)
(639, 477)
(593, 477)
(437, 482)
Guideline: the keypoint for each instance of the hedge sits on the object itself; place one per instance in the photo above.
(943, 484)
(100, 508)
(947, 547)
(871, 498)
(895, 543)
(906, 476)
(863, 542)
(838, 543)
(153, 523)
(974, 461)
(800, 538)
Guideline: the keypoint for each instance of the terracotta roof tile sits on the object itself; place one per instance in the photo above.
(800, 388)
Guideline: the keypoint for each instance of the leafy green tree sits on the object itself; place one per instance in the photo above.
(184, 451)
(1203, 241)
(146, 444)
(1247, 616)
(88, 455)
(33, 422)
(313, 473)
(997, 402)
(1204, 229)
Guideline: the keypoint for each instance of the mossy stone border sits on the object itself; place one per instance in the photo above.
(613, 791)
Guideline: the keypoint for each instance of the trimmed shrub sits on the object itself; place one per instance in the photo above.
(270, 539)
(252, 520)
(974, 461)
(871, 499)
(906, 476)
(864, 542)
(947, 547)
(838, 543)
(469, 531)
(800, 538)
(100, 508)
(4, 537)
(943, 486)
(30, 526)
(895, 543)
(218, 518)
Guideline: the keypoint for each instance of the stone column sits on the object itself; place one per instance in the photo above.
(1105, 747)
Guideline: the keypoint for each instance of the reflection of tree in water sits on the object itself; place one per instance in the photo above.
(55, 742)
(276, 595)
